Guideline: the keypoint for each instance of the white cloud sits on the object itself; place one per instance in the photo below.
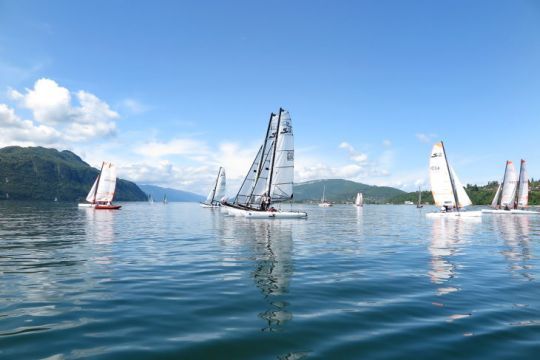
(179, 146)
(426, 138)
(51, 106)
(133, 106)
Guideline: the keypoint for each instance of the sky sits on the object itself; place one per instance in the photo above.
(171, 90)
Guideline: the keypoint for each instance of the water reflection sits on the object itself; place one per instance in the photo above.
(447, 239)
(271, 246)
(515, 233)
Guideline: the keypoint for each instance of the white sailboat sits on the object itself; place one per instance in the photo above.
(359, 201)
(448, 191)
(324, 202)
(419, 203)
(217, 193)
(512, 196)
(271, 175)
(102, 192)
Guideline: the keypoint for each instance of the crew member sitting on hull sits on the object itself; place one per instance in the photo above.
(265, 202)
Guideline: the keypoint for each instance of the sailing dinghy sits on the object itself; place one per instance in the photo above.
(271, 175)
(324, 202)
(102, 192)
(359, 200)
(213, 200)
(419, 203)
(448, 191)
(512, 196)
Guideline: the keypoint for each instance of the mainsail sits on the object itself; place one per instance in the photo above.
(272, 171)
(523, 192)
(218, 191)
(445, 185)
(509, 185)
(106, 184)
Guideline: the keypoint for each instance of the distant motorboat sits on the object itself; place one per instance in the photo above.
(217, 193)
(102, 192)
(448, 191)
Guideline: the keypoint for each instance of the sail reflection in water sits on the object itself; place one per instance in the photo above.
(271, 244)
(515, 234)
(448, 237)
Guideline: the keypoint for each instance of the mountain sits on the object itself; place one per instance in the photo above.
(158, 192)
(38, 173)
(339, 190)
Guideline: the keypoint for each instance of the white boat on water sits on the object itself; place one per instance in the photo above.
(359, 201)
(271, 175)
(102, 192)
(448, 191)
(512, 196)
(213, 200)
(324, 202)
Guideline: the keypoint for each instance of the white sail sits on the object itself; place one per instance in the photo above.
(496, 197)
(441, 181)
(91, 194)
(283, 170)
(359, 199)
(107, 183)
(463, 198)
(441, 186)
(523, 195)
(221, 185)
(510, 186)
(249, 181)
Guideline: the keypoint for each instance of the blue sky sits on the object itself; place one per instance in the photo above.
(170, 90)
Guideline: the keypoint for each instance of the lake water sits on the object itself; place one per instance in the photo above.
(178, 281)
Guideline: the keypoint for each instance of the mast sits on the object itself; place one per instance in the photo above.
(451, 178)
(516, 201)
(98, 178)
(215, 186)
(262, 161)
(419, 195)
(274, 154)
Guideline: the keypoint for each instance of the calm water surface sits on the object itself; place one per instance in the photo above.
(178, 281)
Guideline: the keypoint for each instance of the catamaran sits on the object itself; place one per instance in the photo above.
(102, 192)
(271, 175)
(448, 192)
(217, 193)
(359, 200)
(512, 196)
(324, 202)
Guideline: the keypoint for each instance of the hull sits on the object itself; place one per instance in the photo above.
(325, 204)
(510, 212)
(454, 214)
(107, 207)
(86, 205)
(209, 206)
(258, 214)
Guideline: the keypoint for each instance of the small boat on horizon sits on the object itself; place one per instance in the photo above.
(213, 200)
(165, 201)
(448, 191)
(102, 192)
(419, 203)
(359, 201)
(324, 202)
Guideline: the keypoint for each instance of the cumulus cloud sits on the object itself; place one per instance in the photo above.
(52, 108)
(426, 138)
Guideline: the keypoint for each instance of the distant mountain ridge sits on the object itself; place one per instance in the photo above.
(38, 173)
(158, 192)
(340, 190)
